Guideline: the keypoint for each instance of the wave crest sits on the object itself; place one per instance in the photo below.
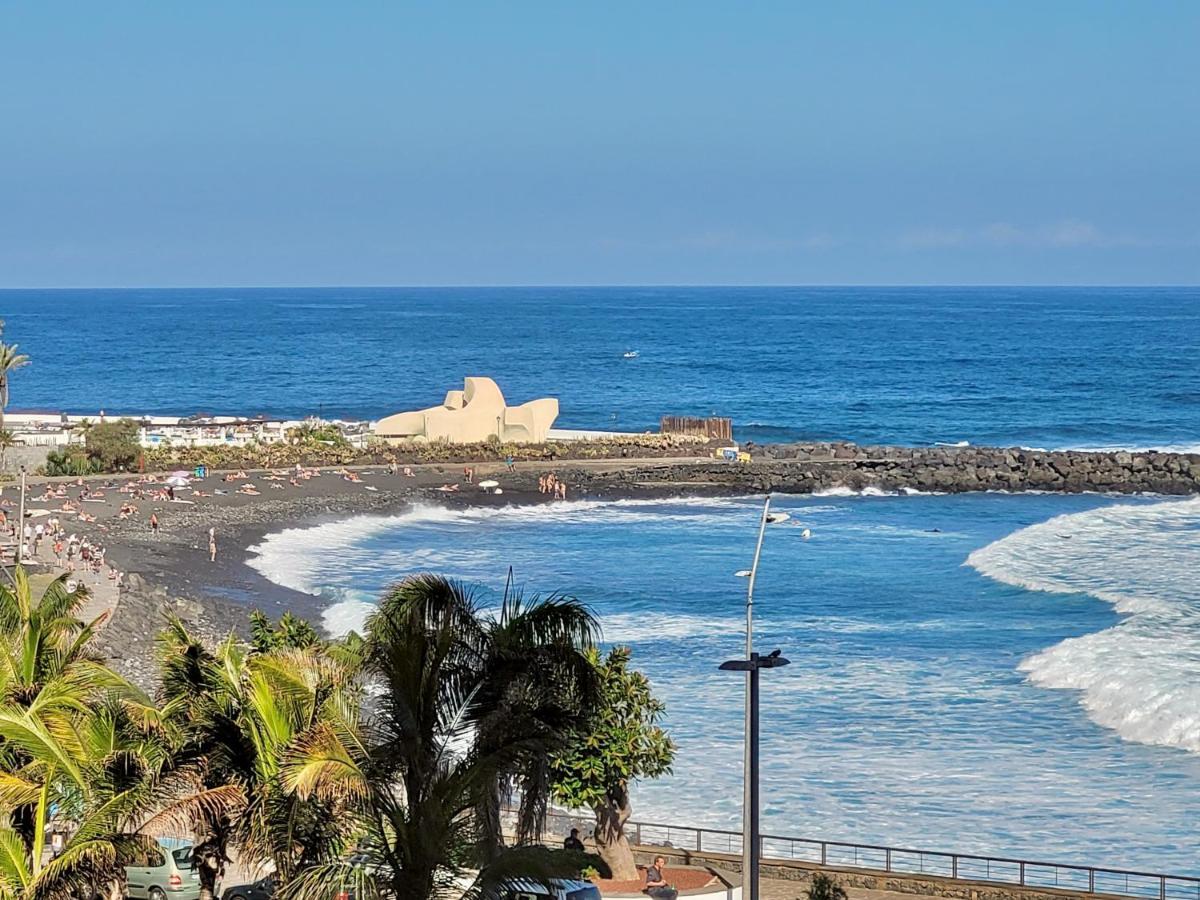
(1141, 677)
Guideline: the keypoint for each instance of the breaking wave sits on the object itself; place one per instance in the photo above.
(1142, 676)
(287, 557)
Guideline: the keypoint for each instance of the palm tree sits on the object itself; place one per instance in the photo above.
(10, 361)
(8, 440)
(239, 713)
(45, 661)
(466, 707)
(76, 737)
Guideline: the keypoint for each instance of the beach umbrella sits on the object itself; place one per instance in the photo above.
(181, 474)
(489, 484)
(178, 481)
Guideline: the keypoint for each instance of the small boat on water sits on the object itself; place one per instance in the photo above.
(631, 354)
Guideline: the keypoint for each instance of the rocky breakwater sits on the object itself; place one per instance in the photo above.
(806, 468)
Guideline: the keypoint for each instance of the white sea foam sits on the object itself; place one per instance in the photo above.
(873, 491)
(346, 615)
(1142, 676)
(291, 557)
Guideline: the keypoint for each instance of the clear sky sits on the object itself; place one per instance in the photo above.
(566, 142)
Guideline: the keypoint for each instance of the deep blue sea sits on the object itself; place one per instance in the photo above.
(1016, 675)
(1041, 367)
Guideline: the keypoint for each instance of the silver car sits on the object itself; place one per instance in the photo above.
(163, 874)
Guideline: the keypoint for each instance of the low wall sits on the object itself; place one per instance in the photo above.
(867, 879)
(805, 468)
(29, 457)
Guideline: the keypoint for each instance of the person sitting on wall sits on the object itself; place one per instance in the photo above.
(572, 841)
(656, 885)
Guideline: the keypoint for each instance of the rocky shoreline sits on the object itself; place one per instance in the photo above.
(807, 468)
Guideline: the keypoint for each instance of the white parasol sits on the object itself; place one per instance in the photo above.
(489, 484)
(178, 481)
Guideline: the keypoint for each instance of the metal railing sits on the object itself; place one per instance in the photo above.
(904, 861)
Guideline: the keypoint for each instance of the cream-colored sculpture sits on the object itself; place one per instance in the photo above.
(472, 415)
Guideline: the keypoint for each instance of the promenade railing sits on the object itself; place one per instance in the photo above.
(907, 861)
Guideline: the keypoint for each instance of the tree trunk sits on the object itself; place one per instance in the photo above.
(611, 843)
(210, 866)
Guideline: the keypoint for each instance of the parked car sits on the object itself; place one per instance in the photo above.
(163, 873)
(263, 889)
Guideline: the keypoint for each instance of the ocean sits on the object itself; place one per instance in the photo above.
(1010, 674)
(1036, 367)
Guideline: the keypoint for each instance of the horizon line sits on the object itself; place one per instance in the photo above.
(589, 285)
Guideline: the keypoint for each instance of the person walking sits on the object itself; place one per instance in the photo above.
(154, 524)
(212, 544)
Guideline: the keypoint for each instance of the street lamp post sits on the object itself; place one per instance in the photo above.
(21, 521)
(750, 759)
(750, 836)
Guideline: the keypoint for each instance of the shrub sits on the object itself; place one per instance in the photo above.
(72, 460)
(825, 888)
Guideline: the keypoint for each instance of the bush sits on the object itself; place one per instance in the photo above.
(70, 461)
(113, 446)
(825, 888)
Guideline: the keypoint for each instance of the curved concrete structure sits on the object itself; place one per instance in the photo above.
(471, 416)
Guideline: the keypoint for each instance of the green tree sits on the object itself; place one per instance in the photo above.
(113, 445)
(621, 742)
(465, 708)
(290, 633)
(10, 361)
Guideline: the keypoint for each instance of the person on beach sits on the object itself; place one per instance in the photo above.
(154, 524)
(656, 885)
(509, 464)
(212, 544)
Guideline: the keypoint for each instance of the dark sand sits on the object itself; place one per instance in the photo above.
(170, 573)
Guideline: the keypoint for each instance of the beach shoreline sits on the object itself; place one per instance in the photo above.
(169, 573)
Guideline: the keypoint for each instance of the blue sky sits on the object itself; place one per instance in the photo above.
(162, 143)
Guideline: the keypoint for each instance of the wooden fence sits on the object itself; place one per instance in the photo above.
(716, 428)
